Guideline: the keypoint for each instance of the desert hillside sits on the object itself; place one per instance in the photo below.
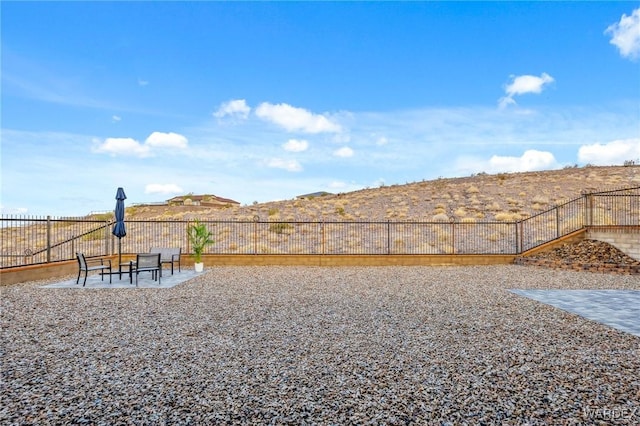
(483, 197)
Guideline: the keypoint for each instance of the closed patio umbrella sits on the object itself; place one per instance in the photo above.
(119, 228)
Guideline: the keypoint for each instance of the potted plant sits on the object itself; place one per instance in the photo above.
(199, 237)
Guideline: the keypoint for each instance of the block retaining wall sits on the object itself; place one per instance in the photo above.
(625, 239)
(603, 268)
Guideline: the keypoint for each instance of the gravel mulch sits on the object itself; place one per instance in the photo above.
(308, 345)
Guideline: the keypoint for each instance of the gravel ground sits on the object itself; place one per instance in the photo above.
(308, 345)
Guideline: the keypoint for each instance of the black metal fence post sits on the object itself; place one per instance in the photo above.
(48, 239)
(106, 237)
(256, 218)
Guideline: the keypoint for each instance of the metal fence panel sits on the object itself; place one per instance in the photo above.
(33, 240)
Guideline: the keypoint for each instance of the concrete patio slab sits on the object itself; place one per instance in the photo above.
(144, 281)
(619, 309)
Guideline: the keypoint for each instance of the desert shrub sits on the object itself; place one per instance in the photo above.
(472, 190)
(460, 212)
(537, 207)
(494, 207)
(507, 216)
(102, 216)
(468, 220)
(280, 227)
(539, 199)
(96, 235)
(440, 217)
(273, 211)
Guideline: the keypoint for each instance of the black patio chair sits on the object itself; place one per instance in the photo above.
(85, 265)
(148, 262)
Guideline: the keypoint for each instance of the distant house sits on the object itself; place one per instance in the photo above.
(314, 194)
(201, 200)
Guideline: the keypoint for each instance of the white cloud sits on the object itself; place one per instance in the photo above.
(123, 146)
(382, 141)
(236, 108)
(288, 165)
(531, 160)
(296, 119)
(625, 35)
(296, 145)
(142, 82)
(524, 84)
(116, 118)
(13, 210)
(131, 147)
(611, 153)
(162, 188)
(343, 152)
(166, 140)
(336, 184)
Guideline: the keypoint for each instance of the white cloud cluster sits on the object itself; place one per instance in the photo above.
(236, 108)
(288, 165)
(344, 152)
(123, 146)
(162, 188)
(296, 145)
(132, 147)
(524, 84)
(625, 35)
(611, 153)
(13, 210)
(296, 119)
(166, 140)
(531, 160)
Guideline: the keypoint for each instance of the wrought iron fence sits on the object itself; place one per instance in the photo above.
(32, 240)
(28, 240)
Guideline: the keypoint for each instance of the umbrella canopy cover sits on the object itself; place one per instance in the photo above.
(118, 228)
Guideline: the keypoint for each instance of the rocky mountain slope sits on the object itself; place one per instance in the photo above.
(482, 197)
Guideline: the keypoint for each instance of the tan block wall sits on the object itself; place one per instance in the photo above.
(625, 239)
(43, 271)
(354, 260)
(61, 269)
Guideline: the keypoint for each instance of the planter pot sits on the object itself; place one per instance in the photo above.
(199, 267)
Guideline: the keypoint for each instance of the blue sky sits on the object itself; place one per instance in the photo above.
(266, 101)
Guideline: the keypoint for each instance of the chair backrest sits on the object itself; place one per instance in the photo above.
(166, 253)
(82, 261)
(148, 260)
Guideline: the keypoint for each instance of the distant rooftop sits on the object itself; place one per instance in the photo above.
(200, 200)
(315, 194)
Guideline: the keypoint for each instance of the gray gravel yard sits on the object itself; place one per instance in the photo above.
(318, 345)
